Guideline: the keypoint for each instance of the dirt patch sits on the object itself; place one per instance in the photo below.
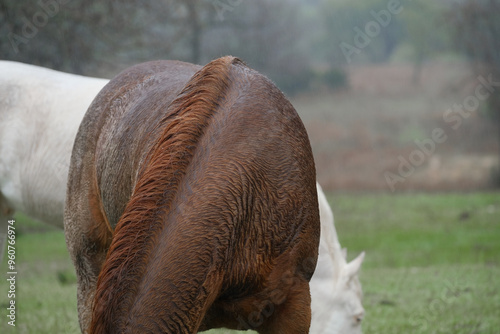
(361, 135)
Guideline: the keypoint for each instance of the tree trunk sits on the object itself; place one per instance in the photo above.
(496, 115)
(417, 69)
(196, 32)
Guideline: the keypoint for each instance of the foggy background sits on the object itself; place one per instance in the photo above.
(396, 95)
(401, 100)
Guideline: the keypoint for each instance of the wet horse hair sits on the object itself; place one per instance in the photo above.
(214, 189)
(154, 190)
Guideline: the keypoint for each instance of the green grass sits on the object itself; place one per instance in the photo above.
(409, 230)
(432, 262)
(45, 282)
(432, 265)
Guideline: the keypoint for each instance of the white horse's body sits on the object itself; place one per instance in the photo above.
(40, 112)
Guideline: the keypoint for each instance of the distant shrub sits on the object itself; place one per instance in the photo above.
(293, 81)
(495, 177)
(334, 78)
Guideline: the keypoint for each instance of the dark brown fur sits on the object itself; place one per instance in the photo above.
(215, 186)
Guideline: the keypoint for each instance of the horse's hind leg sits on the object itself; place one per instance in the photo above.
(294, 315)
(87, 239)
(6, 213)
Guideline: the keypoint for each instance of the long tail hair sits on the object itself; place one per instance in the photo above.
(185, 122)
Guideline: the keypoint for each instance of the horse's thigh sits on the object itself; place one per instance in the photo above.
(88, 252)
(6, 213)
(294, 315)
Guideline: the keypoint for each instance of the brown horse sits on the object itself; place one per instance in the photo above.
(192, 204)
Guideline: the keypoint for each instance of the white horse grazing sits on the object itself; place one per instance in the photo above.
(40, 111)
(336, 296)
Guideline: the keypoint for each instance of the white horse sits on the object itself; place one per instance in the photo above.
(336, 295)
(40, 111)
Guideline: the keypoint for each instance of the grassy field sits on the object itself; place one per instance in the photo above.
(433, 261)
(432, 265)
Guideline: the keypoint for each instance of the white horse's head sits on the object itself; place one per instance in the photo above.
(335, 288)
(347, 311)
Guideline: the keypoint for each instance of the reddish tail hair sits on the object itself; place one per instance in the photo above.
(184, 123)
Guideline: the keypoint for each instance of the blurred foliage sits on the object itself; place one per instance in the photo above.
(94, 37)
(285, 39)
(343, 18)
(476, 27)
(425, 31)
(333, 78)
(381, 27)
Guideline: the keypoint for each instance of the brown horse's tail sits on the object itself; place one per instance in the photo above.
(142, 221)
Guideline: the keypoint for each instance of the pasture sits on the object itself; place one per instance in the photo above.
(432, 265)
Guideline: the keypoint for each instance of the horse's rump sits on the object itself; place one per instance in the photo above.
(222, 193)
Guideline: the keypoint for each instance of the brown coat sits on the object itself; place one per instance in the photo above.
(192, 198)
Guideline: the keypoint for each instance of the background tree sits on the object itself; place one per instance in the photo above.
(95, 37)
(89, 36)
(344, 19)
(477, 33)
(426, 34)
